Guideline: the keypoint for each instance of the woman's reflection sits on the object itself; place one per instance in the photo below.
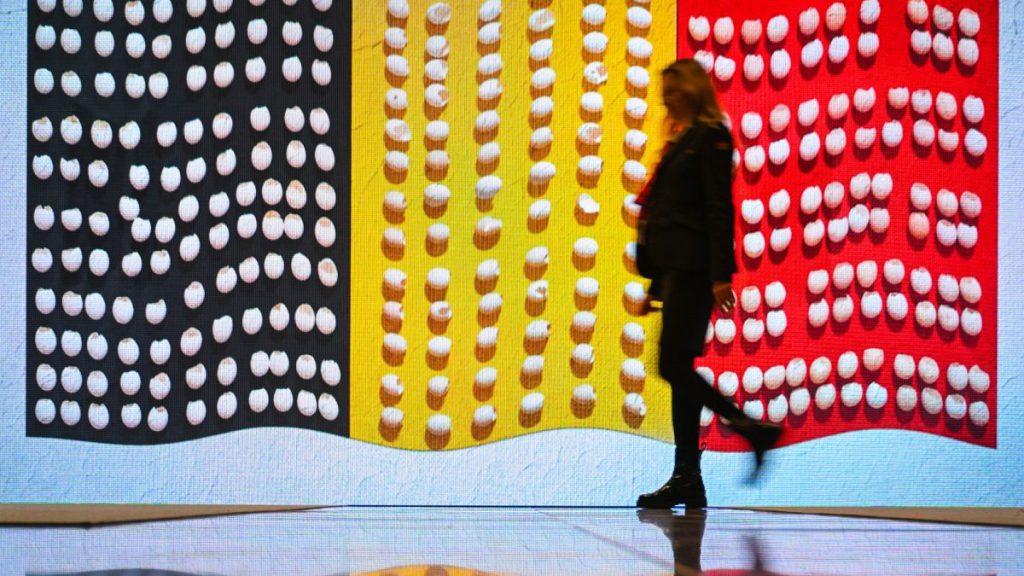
(685, 530)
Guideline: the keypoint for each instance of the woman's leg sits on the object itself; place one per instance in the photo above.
(686, 485)
(686, 311)
(678, 370)
(690, 392)
(686, 428)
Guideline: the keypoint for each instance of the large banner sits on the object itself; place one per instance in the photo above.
(412, 225)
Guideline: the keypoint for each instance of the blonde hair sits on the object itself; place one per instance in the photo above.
(698, 95)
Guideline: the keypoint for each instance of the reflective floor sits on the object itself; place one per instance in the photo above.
(476, 541)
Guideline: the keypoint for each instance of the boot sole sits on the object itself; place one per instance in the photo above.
(689, 504)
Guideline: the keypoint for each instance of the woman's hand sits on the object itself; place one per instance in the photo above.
(724, 298)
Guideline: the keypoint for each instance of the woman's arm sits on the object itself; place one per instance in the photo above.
(714, 157)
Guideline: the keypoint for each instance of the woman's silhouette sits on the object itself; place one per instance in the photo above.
(686, 249)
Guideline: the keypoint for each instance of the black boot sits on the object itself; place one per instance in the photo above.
(762, 437)
(684, 487)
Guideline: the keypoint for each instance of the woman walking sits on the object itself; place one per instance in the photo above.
(686, 249)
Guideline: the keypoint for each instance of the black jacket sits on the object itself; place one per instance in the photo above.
(689, 212)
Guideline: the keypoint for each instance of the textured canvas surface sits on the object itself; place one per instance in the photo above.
(285, 464)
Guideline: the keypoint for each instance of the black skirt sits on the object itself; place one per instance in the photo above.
(686, 310)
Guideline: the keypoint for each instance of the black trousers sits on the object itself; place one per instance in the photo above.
(687, 303)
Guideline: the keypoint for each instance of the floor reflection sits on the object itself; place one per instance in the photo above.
(425, 571)
(479, 541)
(685, 532)
(397, 571)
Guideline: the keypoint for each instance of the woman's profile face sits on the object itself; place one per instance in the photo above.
(672, 95)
